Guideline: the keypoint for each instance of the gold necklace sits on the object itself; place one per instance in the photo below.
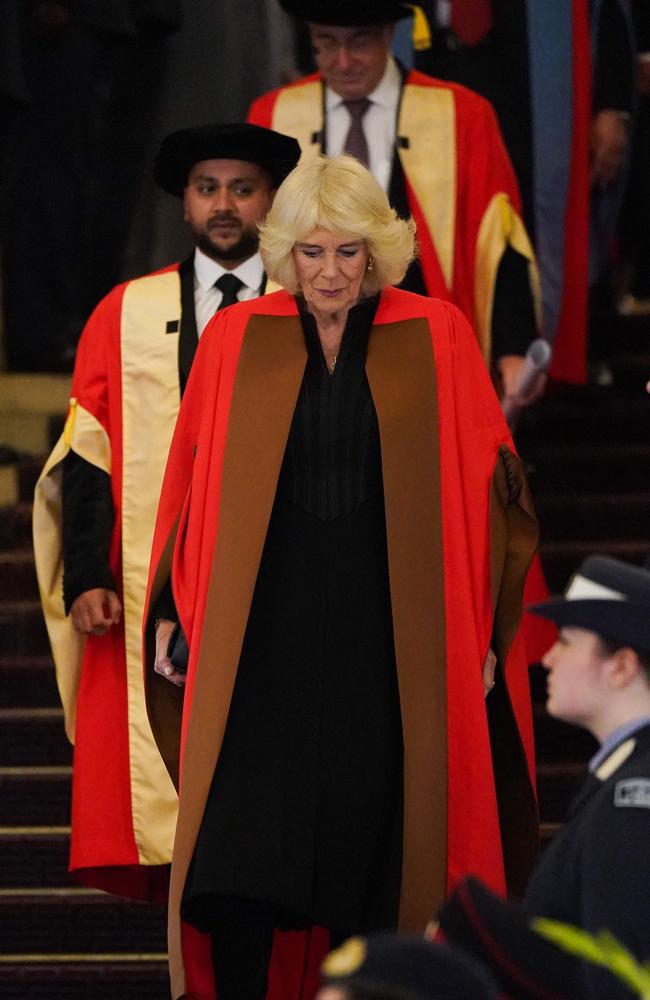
(332, 364)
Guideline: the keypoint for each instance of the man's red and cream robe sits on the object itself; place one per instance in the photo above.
(123, 408)
(460, 185)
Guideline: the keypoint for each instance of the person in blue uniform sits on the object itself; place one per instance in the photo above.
(595, 874)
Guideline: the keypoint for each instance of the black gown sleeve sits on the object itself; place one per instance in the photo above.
(165, 606)
(513, 312)
(87, 524)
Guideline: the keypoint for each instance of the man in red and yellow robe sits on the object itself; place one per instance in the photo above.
(437, 150)
(123, 803)
(96, 499)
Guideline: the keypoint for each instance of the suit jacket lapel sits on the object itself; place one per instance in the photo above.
(189, 337)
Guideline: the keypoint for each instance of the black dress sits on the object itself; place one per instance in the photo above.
(305, 809)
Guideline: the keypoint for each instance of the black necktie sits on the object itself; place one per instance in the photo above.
(355, 141)
(228, 285)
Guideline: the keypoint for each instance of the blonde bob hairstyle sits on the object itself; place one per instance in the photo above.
(341, 196)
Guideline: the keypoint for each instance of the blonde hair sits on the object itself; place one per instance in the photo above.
(339, 195)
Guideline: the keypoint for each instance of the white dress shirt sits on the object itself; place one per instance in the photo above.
(379, 123)
(207, 298)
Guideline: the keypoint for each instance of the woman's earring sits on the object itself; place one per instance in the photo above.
(370, 264)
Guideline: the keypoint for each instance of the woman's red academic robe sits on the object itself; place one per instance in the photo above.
(460, 532)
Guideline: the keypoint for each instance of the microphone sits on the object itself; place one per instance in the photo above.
(537, 360)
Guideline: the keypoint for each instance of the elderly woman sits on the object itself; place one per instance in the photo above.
(350, 531)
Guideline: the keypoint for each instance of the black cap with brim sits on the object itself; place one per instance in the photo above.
(499, 934)
(605, 596)
(345, 13)
(417, 968)
(276, 153)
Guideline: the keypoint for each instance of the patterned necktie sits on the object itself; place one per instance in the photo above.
(228, 285)
(471, 19)
(355, 141)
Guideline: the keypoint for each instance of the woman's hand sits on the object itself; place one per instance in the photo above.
(488, 671)
(162, 664)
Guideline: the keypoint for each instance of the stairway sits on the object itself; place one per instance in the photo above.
(58, 941)
(587, 451)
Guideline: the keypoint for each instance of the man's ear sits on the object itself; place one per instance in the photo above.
(625, 667)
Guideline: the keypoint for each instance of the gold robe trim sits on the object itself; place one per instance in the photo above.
(86, 436)
(428, 118)
(298, 111)
(501, 226)
(150, 403)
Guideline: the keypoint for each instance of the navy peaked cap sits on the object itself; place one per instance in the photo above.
(606, 596)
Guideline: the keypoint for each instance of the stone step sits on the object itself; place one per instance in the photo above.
(590, 469)
(632, 334)
(36, 393)
(16, 526)
(82, 977)
(27, 431)
(9, 485)
(22, 629)
(18, 479)
(613, 516)
(28, 682)
(561, 753)
(631, 372)
(34, 856)
(33, 737)
(556, 784)
(37, 921)
(582, 416)
(36, 795)
(17, 575)
(28, 469)
(558, 742)
(561, 559)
